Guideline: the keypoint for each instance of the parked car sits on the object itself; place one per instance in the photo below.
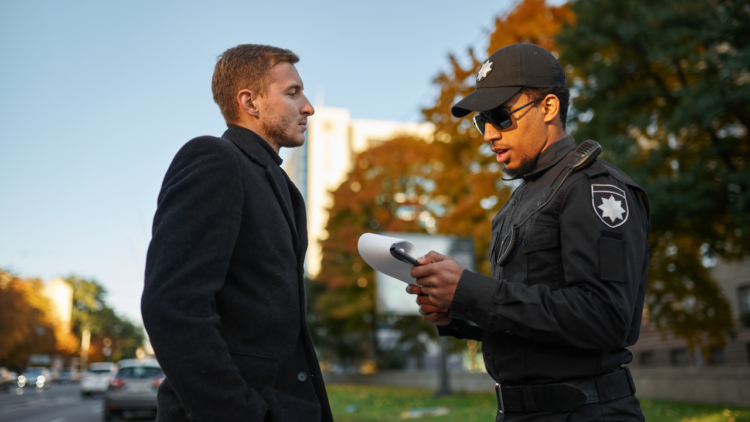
(6, 382)
(132, 392)
(67, 375)
(35, 376)
(96, 378)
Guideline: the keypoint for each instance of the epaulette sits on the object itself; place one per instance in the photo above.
(596, 169)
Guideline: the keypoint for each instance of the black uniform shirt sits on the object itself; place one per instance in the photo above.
(569, 298)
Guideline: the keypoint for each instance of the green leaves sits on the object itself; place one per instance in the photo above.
(666, 81)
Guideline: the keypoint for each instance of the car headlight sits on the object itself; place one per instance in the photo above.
(22, 378)
(41, 378)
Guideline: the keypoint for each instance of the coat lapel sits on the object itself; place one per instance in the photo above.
(300, 217)
(276, 178)
(274, 173)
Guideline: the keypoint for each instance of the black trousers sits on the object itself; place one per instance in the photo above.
(626, 409)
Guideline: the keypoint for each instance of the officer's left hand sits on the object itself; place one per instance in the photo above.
(438, 276)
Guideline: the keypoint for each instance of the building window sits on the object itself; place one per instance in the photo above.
(647, 358)
(679, 357)
(743, 295)
(718, 357)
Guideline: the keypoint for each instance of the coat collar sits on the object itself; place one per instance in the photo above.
(252, 143)
(552, 155)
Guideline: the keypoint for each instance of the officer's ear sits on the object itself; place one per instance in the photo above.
(551, 105)
(247, 100)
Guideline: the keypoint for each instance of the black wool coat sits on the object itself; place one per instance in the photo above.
(224, 300)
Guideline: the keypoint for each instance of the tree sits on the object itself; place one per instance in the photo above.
(25, 328)
(390, 188)
(663, 86)
(91, 312)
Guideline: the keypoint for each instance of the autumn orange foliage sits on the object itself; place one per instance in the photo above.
(26, 323)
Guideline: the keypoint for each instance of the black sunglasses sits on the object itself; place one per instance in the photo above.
(498, 117)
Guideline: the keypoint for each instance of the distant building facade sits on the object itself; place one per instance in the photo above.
(655, 349)
(322, 164)
(60, 294)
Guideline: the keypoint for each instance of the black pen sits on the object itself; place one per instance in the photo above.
(403, 256)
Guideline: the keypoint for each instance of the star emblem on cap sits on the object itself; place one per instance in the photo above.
(484, 70)
(611, 209)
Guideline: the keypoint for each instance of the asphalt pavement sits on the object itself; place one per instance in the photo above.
(59, 403)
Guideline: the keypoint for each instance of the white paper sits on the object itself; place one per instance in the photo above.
(375, 249)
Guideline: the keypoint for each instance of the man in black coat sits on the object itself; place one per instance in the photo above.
(224, 301)
(569, 257)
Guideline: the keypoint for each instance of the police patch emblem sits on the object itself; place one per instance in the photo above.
(484, 70)
(609, 204)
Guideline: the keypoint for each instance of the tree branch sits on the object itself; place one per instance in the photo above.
(717, 143)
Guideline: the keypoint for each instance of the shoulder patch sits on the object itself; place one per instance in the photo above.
(610, 204)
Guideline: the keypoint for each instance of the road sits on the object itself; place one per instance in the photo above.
(59, 403)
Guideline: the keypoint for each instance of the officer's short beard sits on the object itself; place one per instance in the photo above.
(527, 166)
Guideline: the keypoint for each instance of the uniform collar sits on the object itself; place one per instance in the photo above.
(245, 133)
(552, 155)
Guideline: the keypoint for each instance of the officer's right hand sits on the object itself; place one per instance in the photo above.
(430, 312)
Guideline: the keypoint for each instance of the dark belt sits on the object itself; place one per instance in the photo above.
(564, 397)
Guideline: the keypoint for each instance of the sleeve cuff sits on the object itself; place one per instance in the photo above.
(473, 296)
(460, 330)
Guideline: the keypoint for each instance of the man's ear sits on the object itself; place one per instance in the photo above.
(248, 102)
(551, 106)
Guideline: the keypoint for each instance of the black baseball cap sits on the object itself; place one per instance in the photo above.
(506, 72)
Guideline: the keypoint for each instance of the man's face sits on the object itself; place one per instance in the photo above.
(519, 145)
(284, 109)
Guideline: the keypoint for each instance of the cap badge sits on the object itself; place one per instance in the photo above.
(484, 70)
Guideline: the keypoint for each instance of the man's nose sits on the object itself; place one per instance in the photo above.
(491, 134)
(307, 108)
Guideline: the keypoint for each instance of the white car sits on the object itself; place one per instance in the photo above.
(96, 377)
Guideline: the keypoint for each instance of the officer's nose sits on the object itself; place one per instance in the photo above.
(491, 134)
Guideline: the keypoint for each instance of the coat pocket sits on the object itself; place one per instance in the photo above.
(541, 246)
(257, 371)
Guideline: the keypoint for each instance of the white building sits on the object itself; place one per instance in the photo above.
(322, 164)
(60, 294)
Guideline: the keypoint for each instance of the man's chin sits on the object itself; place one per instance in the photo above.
(293, 142)
(511, 172)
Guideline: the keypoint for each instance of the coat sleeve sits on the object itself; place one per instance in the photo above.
(604, 270)
(195, 228)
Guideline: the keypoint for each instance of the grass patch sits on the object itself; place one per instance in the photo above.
(663, 411)
(386, 404)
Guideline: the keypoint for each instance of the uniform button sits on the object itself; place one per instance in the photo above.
(469, 313)
(513, 202)
(302, 377)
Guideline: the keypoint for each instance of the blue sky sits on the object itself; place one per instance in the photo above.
(97, 97)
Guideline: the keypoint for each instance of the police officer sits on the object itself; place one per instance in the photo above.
(569, 256)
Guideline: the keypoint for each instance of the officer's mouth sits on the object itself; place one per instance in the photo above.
(503, 155)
